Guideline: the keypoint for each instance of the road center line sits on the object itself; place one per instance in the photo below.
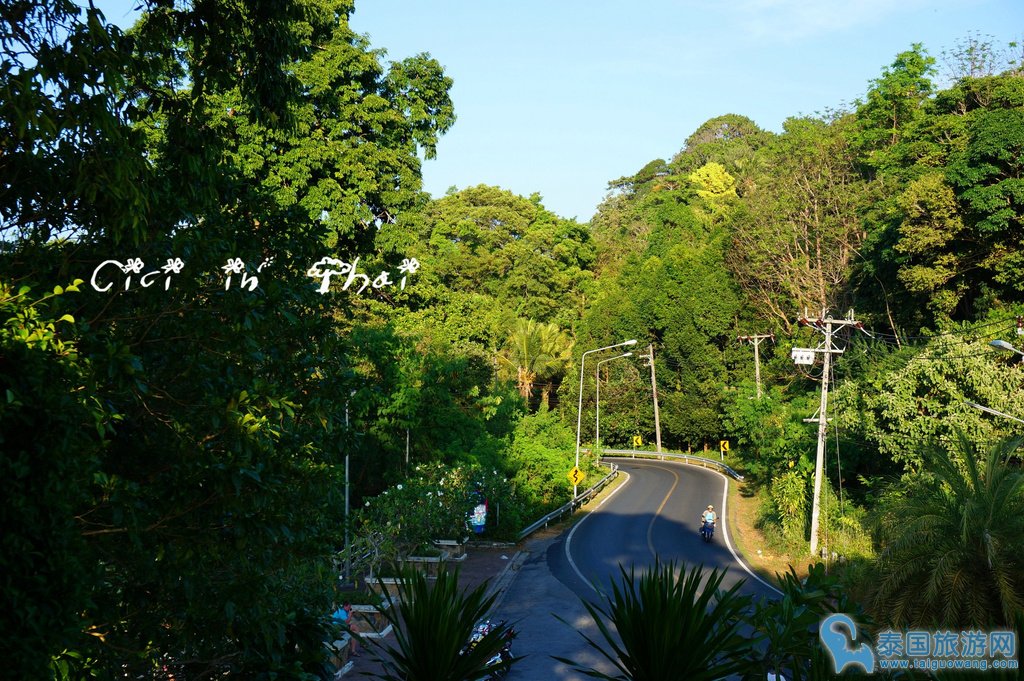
(650, 526)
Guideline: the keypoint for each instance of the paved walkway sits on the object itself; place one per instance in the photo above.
(498, 564)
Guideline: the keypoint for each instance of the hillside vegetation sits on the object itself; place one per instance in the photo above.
(285, 303)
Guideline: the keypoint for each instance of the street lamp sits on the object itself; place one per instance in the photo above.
(1000, 344)
(597, 381)
(579, 408)
(990, 410)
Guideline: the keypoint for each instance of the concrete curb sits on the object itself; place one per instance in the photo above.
(499, 586)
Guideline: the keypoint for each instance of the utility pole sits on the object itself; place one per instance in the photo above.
(348, 446)
(654, 391)
(828, 326)
(756, 341)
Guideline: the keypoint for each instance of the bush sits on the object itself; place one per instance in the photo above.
(769, 432)
(435, 503)
(542, 453)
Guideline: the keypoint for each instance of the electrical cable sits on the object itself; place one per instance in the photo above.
(839, 469)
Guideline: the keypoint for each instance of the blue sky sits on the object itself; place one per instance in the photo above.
(561, 96)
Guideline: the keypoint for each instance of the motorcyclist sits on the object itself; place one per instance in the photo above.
(709, 517)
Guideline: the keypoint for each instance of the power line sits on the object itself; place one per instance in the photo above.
(828, 326)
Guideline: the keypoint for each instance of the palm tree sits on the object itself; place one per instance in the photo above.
(535, 352)
(952, 544)
(668, 626)
(433, 620)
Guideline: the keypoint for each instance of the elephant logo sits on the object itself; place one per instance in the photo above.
(840, 646)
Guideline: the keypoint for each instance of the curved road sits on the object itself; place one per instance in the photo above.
(654, 513)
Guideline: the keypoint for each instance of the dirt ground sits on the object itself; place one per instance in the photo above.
(750, 541)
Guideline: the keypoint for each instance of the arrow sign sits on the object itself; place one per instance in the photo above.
(576, 476)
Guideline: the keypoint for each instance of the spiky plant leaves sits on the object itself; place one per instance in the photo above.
(667, 625)
(787, 627)
(432, 621)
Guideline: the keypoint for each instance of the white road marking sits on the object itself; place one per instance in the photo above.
(725, 533)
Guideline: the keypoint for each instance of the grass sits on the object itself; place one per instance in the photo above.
(750, 542)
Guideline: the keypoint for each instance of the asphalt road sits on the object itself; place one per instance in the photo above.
(654, 514)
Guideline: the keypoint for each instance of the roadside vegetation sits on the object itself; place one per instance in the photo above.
(225, 301)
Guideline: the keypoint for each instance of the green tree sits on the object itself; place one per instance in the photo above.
(541, 453)
(796, 235)
(931, 220)
(535, 352)
(950, 542)
(918, 395)
(942, 225)
(729, 140)
(528, 262)
(769, 432)
(895, 99)
(198, 505)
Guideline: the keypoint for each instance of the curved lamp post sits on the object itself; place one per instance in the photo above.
(579, 408)
(597, 382)
(1003, 345)
(999, 344)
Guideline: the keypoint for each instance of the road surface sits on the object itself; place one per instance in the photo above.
(655, 513)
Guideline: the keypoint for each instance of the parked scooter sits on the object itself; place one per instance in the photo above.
(500, 663)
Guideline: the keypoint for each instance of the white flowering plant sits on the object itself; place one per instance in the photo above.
(433, 503)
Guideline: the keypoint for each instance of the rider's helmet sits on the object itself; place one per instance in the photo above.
(710, 507)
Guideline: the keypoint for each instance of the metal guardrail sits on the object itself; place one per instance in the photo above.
(568, 508)
(685, 458)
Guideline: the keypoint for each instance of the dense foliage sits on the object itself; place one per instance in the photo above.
(221, 285)
(903, 212)
(172, 444)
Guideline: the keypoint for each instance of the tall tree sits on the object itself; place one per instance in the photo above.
(205, 510)
(945, 228)
(894, 99)
(796, 234)
(489, 257)
(535, 352)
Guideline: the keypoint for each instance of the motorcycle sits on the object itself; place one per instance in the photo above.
(707, 530)
(499, 664)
